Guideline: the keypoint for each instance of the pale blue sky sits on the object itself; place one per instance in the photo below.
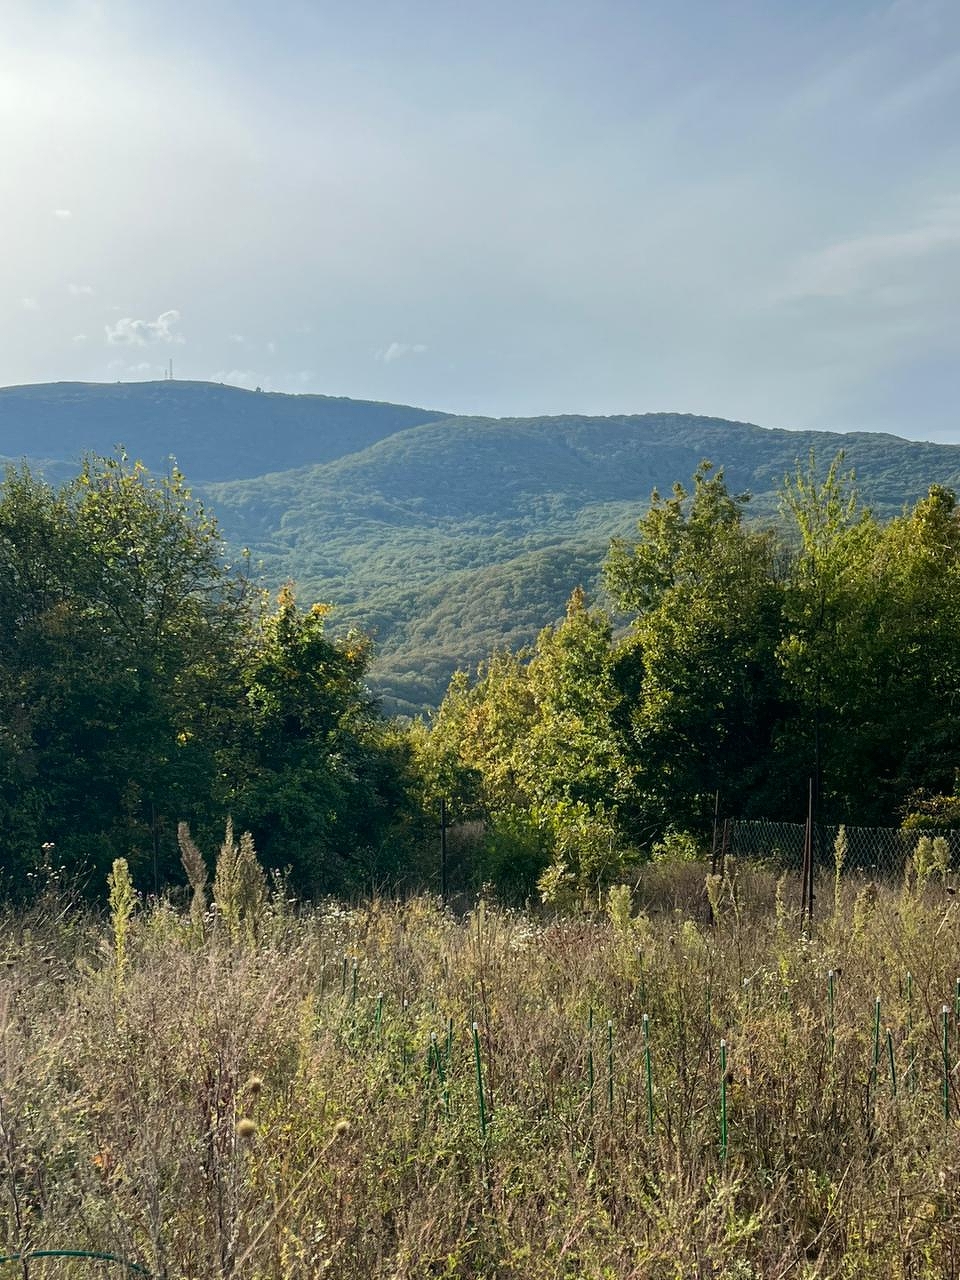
(744, 209)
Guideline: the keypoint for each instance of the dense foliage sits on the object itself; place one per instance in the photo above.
(142, 682)
(754, 661)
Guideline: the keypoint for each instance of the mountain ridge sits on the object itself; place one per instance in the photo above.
(296, 423)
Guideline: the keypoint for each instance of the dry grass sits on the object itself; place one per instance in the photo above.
(233, 1108)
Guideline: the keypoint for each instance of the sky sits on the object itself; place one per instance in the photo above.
(744, 208)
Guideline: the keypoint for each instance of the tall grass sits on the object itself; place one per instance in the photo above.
(389, 1091)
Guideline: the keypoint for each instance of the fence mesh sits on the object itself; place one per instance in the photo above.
(875, 851)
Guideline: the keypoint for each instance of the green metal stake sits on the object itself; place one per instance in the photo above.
(649, 1072)
(441, 1073)
(876, 1035)
(946, 1062)
(449, 1040)
(723, 1102)
(353, 998)
(610, 1065)
(911, 1073)
(378, 1018)
(343, 977)
(403, 1040)
(831, 996)
(480, 1099)
(590, 1073)
(893, 1065)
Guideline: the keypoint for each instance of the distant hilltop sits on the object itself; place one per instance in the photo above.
(215, 431)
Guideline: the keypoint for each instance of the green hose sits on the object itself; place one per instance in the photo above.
(74, 1253)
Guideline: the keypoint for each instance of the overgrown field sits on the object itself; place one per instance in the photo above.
(304, 1094)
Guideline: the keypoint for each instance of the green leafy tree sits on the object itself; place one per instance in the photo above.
(121, 635)
(572, 753)
(700, 687)
(320, 780)
(871, 647)
(530, 741)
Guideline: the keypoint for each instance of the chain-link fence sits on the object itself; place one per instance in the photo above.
(875, 851)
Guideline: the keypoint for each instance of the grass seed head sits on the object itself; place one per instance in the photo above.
(246, 1129)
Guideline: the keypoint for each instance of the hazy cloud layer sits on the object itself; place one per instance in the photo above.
(750, 210)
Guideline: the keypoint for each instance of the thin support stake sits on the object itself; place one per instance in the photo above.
(946, 1062)
(893, 1065)
(723, 1102)
(590, 1070)
(911, 1073)
(610, 1065)
(876, 1036)
(649, 1072)
(481, 1103)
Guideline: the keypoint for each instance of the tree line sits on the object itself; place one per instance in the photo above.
(738, 662)
(145, 681)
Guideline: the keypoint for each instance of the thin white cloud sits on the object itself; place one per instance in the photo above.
(63, 214)
(272, 347)
(79, 338)
(863, 263)
(138, 333)
(80, 290)
(397, 350)
(238, 338)
(30, 304)
(930, 84)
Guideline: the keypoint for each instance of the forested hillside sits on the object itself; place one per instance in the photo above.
(441, 536)
(481, 524)
(214, 431)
